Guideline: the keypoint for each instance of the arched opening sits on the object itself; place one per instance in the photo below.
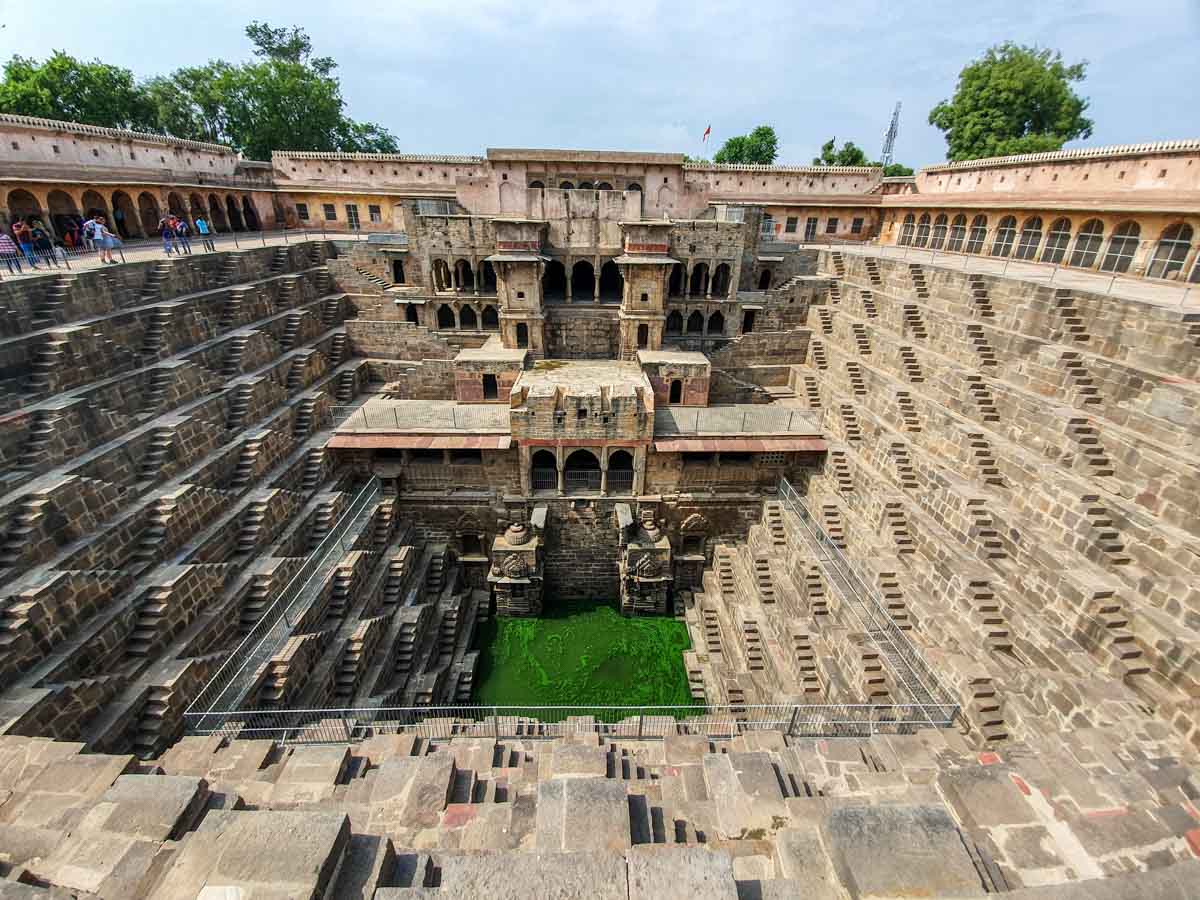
(611, 283)
(445, 317)
(939, 232)
(249, 215)
(566, 186)
(148, 212)
(958, 233)
(634, 187)
(490, 319)
(410, 313)
(1171, 251)
(491, 387)
(906, 230)
(522, 335)
(23, 205)
(581, 472)
(922, 237)
(554, 281)
(216, 209)
(466, 276)
(63, 211)
(676, 393)
(125, 217)
(748, 321)
(1087, 243)
(467, 319)
(716, 324)
(604, 186)
(1031, 237)
(699, 280)
(1056, 241)
(536, 184)
(175, 206)
(643, 336)
(586, 186)
(978, 234)
(620, 472)
(764, 280)
(543, 471)
(674, 322)
(1121, 247)
(583, 280)
(397, 271)
(441, 275)
(94, 204)
(695, 323)
(235, 216)
(720, 280)
(1006, 233)
(675, 282)
(196, 208)
(489, 278)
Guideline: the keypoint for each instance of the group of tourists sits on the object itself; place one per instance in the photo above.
(29, 242)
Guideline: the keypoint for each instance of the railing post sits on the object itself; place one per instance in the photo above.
(792, 725)
(641, 723)
(495, 723)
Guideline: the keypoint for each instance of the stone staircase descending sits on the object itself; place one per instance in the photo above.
(162, 442)
(979, 296)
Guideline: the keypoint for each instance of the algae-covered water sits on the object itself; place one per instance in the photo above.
(582, 654)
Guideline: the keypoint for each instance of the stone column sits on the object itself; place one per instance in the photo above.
(604, 472)
(596, 279)
(569, 269)
(686, 287)
(708, 276)
(478, 273)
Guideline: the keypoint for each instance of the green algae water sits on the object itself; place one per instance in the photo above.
(582, 654)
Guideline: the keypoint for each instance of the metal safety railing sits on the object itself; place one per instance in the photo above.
(546, 722)
(227, 689)
(733, 419)
(576, 482)
(913, 673)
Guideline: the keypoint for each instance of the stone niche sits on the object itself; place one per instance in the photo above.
(664, 368)
(516, 572)
(487, 374)
(646, 577)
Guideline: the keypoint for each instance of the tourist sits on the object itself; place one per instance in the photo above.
(105, 240)
(167, 232)
(10, 254)
(24, 238)
(88, 230)
(181, 232)
(42, 245)
(205, 234)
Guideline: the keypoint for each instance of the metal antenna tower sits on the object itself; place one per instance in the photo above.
(889, 139)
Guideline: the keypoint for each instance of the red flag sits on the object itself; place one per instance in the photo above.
(707, 132)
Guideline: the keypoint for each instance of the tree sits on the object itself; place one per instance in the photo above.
(286, 98)
(1014, 99)
(849, 155)
(760, 146)
(893, 169)
(64, 87)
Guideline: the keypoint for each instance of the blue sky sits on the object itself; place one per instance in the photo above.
(457, 76)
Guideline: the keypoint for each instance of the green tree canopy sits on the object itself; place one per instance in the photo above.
(286, 98)
(1015, 99)
(850, 154)
(892, 169)
(63, 87)
(759, 146)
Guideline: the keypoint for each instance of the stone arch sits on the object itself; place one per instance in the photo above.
(249, 214)
(666, 197)
(522, 335)
(536, 184)
(196, 208)
(1087, 243)
(675, 281)
(510, 202)
(695, 523)
(467, 318)
(216, 209)
(148, 213)
(445, 316)
(175, 206)
(674, 322)
(465, 275)
(543, 470)
(720, 280)
(604, 186)
(586, 186)
(235, 215)
(1057, 239)
(1031, 238)
(1006, 233)
(63, 212)
(554, 281)
(643, 336)
(716, 323)
(976, 235)
(489, 278)
(566, 186)
(693, 535)
(125, 216)
(922, 237)
(1171, 251)
(620, 460)
(695, 323)
(22, 204)
(906, 230)
(489, 318)
(1121, 247)
(699, 280)
(441, 275)
(581, 471)
(583, 280)
(958, 233)
(939, 232)
(612, 285)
